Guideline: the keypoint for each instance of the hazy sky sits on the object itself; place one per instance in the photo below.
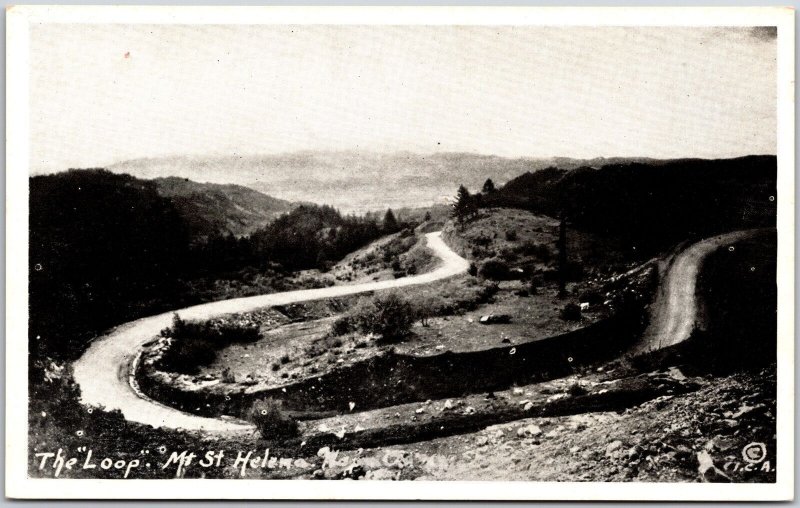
(104, 93)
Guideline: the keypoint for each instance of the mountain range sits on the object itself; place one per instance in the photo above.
(355, 181)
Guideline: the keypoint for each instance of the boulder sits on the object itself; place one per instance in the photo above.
(676, 374)
(748, 410)
(613, 447)
(491, 319)
(529, 431)
(709, 473)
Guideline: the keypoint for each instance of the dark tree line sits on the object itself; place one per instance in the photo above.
(651, 206)
(310, 236)
(106, 248)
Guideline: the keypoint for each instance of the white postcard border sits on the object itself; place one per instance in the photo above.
(19, 18)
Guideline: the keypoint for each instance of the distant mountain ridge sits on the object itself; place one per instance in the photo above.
(356, 181)
(210, 209)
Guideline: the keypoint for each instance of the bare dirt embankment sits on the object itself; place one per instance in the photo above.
(103, 372)
(672, 437)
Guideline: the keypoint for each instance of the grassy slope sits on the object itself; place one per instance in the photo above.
(505, 232)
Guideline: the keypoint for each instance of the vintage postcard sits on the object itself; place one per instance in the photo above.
(448, 253)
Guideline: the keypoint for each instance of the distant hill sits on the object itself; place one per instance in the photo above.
(355, 181)
(649, 204)
(209, 208)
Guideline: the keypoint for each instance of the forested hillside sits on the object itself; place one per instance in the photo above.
(102, 247)
(651, 205)
(211, 209)
(106, 248)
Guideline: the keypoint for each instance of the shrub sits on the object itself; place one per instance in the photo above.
(482, 240)
(571, 312)
(473, 269)
(495, 269)
(388, 315)
(271, 421)
(418, 259)
(534, 284)
(186, 355)
(508, 254)
(195, 343)
(576, 390)
(511, 235)
(229, 333)
(285, 359)
(429, 306)
(342, 326)
(482, 252)
(314, 350)
(538, 250)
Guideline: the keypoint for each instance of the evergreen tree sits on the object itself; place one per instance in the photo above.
(390, 222)
(488, 186)
(427, 216)
(463, 206)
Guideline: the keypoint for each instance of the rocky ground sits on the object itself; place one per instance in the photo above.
(724, 431)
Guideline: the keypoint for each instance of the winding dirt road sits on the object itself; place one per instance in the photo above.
(674, 313)
(104, 371)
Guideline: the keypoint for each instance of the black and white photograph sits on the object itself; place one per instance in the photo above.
(545, 254)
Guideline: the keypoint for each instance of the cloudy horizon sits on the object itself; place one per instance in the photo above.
(102, 94)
